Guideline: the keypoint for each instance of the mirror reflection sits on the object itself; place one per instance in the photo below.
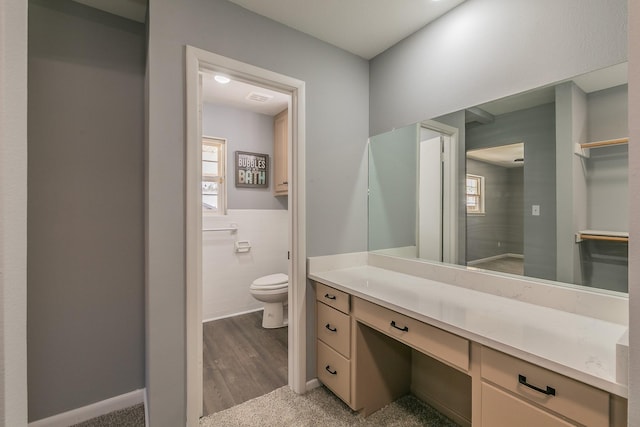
(534, 184)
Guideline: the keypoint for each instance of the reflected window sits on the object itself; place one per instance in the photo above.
(213, 173)
(475, 194)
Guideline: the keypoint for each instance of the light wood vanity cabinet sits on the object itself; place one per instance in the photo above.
(365, 356)
(434, 342)
(333, 344)
(515, 392)
(280, 154)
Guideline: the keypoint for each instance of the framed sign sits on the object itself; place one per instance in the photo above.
(252, 170)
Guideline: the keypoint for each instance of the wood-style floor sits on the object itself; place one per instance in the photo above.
(242, 360)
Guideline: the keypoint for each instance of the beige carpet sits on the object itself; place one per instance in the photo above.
(319, 407)
(129, 417)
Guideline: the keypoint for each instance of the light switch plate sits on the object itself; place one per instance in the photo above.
(535, 210)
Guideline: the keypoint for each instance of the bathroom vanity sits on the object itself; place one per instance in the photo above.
(386, 328)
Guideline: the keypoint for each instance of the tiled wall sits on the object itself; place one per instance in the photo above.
(227, 275)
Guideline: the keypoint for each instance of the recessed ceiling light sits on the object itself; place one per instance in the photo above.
(222, 79)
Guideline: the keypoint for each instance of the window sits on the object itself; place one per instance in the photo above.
(475, 194)
(213, 175)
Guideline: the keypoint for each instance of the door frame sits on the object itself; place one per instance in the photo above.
(197, 60)
(450, 197)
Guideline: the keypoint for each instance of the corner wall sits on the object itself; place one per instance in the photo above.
(337, 118)
(85, 267)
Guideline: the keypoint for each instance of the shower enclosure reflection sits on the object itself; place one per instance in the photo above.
(538, 213)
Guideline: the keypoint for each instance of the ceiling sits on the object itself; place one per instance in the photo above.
(362, 27)
(237, 94)
(136, 10)
(504, 155)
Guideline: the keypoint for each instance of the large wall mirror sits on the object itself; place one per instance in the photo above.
(532, 185)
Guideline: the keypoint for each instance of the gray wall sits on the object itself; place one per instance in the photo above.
(85, 210)
(536, 128)
(244, 131)
(337, 92)
(503, 218)
(487, 49)
(393, 190)
(605, 265)
(608, 169)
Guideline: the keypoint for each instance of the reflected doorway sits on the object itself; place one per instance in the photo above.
(495, 208)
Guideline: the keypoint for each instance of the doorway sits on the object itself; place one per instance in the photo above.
(495, 208)
(245, 238)
(198, 61)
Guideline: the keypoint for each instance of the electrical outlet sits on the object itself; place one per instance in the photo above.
(535, 210)
(499, 244)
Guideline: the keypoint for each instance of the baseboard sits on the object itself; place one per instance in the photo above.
(233, 315)
(311, 384)
(493, 258)
(146, 407)
(97, 409)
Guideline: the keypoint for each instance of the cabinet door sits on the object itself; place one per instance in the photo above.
(500, 409)
(280, 154)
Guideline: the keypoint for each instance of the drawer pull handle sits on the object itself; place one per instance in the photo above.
(550, 391)
(405, 329)
(328, 326)
(329, 296)
(328, 369)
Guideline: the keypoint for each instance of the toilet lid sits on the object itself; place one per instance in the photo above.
(272, 279)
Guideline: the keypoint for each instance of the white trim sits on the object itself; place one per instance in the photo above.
(13, 213)
(97, 409)
(226, 316)
(493, 258)
(450, 250)
(314, 383)
(146, 408)
(193, 250)
(196, 60)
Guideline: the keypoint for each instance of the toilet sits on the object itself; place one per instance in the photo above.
(272, 290)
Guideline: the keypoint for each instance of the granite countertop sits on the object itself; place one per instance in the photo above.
(578, 346)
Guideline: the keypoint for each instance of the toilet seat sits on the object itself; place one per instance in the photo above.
(273, 291)
(271, 282)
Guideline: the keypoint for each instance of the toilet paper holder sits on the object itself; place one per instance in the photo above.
(242, 246)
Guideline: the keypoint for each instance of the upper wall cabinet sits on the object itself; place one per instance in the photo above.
(280, 154)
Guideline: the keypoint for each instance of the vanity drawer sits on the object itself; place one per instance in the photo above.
(501, 409)
(334, 371)
(334, 329)
(449, 348)
(332, 297)
(573, 399)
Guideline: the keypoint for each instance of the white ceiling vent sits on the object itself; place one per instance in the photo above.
(259, 97)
